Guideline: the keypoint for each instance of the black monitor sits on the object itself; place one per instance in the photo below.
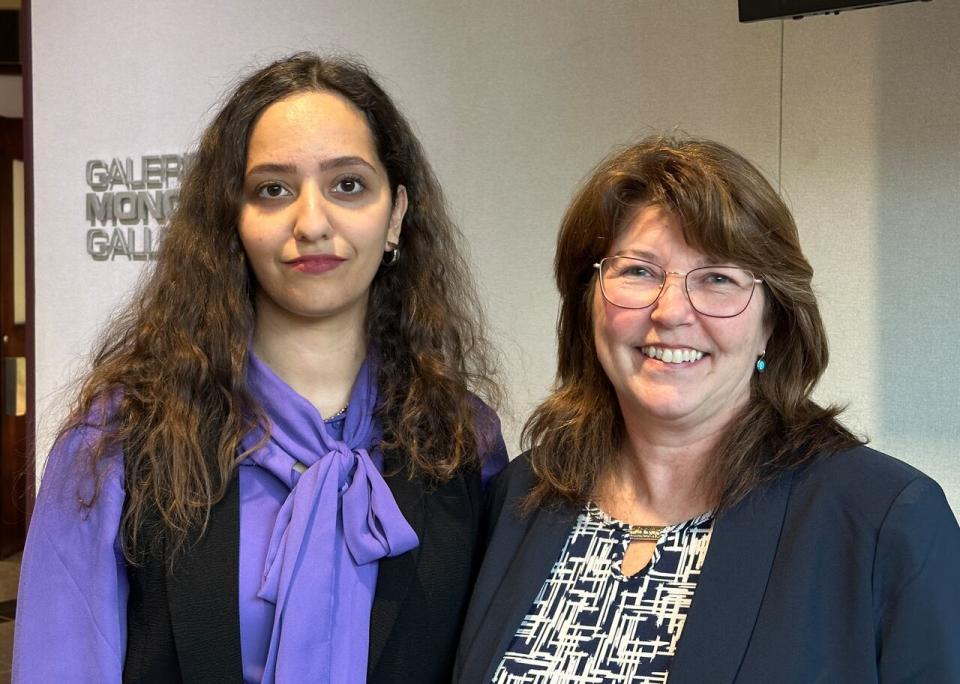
(755, 10)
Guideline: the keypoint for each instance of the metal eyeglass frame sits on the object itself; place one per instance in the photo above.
(663, 285)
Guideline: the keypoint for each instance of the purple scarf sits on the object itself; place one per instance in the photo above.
(338, 521)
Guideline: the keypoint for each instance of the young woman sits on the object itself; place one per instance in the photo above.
(273, 471)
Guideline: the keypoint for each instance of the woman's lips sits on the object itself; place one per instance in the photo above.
(315, 263)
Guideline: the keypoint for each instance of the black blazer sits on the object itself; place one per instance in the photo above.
(185, 626)
(841, 572)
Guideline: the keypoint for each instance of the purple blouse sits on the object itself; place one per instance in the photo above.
(71, 615)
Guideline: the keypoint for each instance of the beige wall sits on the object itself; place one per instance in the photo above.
(871, 167)
(514, 103)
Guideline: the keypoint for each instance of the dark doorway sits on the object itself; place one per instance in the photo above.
(13, 319)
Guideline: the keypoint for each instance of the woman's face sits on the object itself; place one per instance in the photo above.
(699, 394)
(317, 212)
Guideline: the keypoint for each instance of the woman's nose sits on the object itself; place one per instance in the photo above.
(312, 221)
(673, 305)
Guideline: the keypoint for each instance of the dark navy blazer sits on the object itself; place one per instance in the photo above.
(843, 571)
(184, 626)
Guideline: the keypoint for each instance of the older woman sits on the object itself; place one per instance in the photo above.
(274, 469)
(685, 510)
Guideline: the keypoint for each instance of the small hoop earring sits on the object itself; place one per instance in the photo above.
(394, 256)
(761, 364)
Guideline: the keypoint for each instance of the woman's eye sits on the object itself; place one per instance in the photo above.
(637, 272)
(716, 279)
(349, 186)
(721, 278)
(272, 190)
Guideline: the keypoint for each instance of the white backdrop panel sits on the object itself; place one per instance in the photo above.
(514, 103)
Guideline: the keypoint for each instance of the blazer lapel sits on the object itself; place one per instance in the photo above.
(511, 601)
(731, 588)
(203, 597)
(396, 573)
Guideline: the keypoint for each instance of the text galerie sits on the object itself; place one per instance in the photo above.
(128, 202)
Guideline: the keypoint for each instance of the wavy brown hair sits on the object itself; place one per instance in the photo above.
(729, 212)
(172, 368)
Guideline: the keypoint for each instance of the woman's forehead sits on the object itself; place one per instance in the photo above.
(650, 229)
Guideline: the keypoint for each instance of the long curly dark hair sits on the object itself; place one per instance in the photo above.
(730, 212)
(168, 382)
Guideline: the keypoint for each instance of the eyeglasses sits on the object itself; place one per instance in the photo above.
(716, 291)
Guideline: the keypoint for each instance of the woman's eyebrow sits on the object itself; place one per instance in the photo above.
(654, 258)
(337, 162)
(325, 165)
(271, 168)
(639, 254)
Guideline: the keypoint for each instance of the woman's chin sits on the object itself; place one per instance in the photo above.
(664, 407)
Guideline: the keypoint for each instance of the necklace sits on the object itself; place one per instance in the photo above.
(339, 413)
(646, 533)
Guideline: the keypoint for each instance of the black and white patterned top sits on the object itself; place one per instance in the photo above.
(591, 625)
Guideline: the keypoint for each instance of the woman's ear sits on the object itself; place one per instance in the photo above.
(397, 214)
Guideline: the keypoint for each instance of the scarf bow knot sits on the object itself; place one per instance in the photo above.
(338, 520)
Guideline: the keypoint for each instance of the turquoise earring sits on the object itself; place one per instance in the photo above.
(761, 364)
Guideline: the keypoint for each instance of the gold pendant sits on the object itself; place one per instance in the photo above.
(646, 533)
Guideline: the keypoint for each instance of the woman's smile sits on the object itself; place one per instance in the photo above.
(672, 355)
